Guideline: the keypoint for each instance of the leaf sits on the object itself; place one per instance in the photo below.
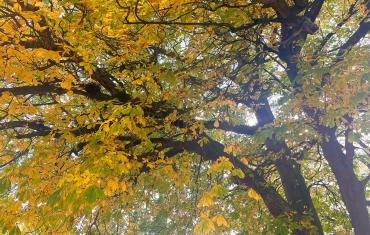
(71, 197)
(222, 164)
(92, 194)
(205, 226)
(253, 194)
(220, 221)
(244, 160)
(123, 186)
(15, 231)
(205, 201)
(67, 82)
(218, 191)
(137, 82)
(354, 137)
(238, 172)
(135, 111)
(112, 186)
(168, 76)
(216, 124)
(54, 198)
(358, 98)
(4, 186)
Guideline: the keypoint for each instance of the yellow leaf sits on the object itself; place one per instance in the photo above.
(80, 119)
(244, 160)
(220, 221)
(206, 200)
(205, 226)
(67, 83)
(137, 82)
(17, 7)
(106, 127)
(216, 124)
(222, 164)
(123, 186)
(12, 110)
(228, 149)
(253, 194)
(238, 172)
(111, 187)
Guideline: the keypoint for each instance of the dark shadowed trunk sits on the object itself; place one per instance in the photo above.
(351, 189)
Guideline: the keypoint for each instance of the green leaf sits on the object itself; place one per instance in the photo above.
(168, 76)
(135, 111)
(15, 231)
(354, 137)
(54, 198)
(358, 98)
(4, 186)
(93, 193)
(70, 197)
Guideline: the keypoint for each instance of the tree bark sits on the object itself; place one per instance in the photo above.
(351, 189)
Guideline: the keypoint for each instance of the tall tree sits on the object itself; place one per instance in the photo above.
(179, 116)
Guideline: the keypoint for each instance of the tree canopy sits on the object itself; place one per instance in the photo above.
(184, 116)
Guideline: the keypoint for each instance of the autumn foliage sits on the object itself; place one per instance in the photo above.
(181, 117)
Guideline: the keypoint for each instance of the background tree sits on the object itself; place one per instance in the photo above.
(183, 116)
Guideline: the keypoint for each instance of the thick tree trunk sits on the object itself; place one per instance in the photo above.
(294, 184)
(297, 193)
(351, 189)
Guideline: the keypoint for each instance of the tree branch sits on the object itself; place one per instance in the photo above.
(239, 129)
(213, 150)
(45, 89)
(360, 33)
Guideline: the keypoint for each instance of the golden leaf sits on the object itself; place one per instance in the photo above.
(205, 226)
(253, 194)
(123, 186)
(205, 201)
(111, 187)
(220, 221)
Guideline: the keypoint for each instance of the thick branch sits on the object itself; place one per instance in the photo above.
(45, 89)
(35, 125)
(314, 10)
(239, 129)
(213, 150)
(360, 33)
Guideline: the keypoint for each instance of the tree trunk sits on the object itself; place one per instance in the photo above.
(297, 193)
(294, 184)
(351, 189)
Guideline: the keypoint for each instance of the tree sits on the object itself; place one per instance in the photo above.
(184, 116)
